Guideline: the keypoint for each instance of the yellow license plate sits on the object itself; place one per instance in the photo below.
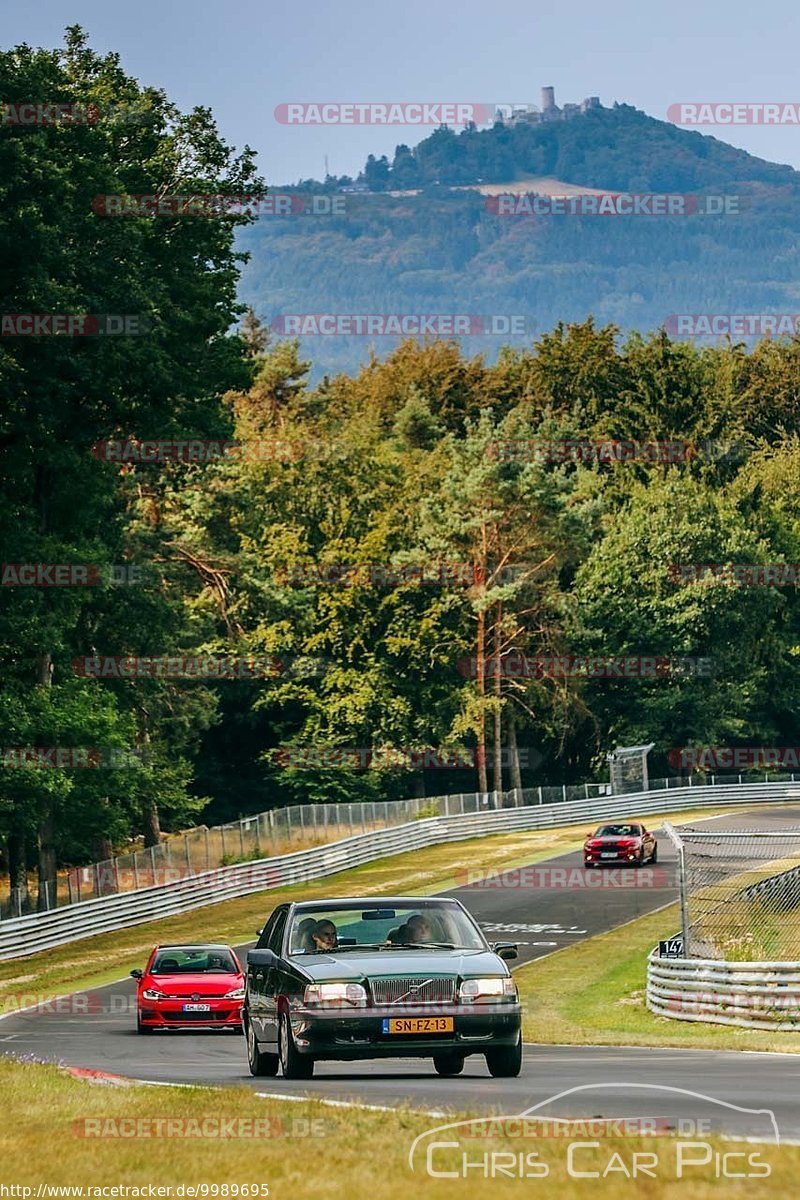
(418, 1025)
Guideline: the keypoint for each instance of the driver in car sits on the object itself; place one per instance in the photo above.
(416, 929)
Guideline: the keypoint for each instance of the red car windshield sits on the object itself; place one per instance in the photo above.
(619, 831)
(194, 962)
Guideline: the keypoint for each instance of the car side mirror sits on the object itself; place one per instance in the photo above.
(261, 958)
(259, 932)
(506, 950)
(137, 974)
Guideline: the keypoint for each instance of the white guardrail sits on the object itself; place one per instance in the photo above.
(755, 995)
(20, 936)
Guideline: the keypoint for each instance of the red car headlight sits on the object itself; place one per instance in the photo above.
(154, 994)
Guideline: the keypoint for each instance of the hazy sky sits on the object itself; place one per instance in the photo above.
(245, 57)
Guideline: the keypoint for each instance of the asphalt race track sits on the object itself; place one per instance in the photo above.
(543, 908)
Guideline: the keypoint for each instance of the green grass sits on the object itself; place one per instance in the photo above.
(593, 993)
(95, 961)
(312, 1151)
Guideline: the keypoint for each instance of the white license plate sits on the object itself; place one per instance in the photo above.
(608, 854)
(197, 1008)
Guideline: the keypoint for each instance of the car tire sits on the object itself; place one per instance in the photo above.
(654, 855)
(641, 859)
(448, 1063)
(293, 1064)
(140, 1028)
(505, 1062)
(259, 1063)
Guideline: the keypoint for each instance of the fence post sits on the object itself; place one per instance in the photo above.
(241, 837)
(586, 790)
(208, 852)
(447, 806)
(188, 855)
(350, 819)
(135, 873)
(153, 865)
(540, 793)
(684, 900)
(564, 792)
(222, 835)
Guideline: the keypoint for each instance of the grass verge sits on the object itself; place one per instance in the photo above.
(95, 961)
(107, 1137)
(593, 994)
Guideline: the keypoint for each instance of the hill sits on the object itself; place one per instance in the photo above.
(421, 236)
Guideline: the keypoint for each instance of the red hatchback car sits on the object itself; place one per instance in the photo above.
(185, 987)
(621, 842)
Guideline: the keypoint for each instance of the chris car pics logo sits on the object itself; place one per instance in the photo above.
(537, 1145)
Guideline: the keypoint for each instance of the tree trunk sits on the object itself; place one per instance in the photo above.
(18, 872)
(498, 712)
(150, 823)
(480, 658)
(46, 881)
(46, 832)
(513, 754)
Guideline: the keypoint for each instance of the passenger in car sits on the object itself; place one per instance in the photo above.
(324, 935)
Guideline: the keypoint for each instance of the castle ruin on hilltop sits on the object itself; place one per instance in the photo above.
(530, 114)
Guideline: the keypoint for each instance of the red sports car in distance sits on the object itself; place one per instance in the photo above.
(621, 843)
(185, 987)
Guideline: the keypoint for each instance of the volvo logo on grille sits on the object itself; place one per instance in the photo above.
(415, 987)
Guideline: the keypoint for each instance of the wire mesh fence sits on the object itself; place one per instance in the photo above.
(739, 893)
(294, 828)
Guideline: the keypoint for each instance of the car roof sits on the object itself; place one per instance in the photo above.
(374, 902)
(192, 946)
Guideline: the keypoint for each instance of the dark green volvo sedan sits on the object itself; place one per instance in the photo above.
(388, 978)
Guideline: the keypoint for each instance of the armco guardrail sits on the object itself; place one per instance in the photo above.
(20, 936)
(754, 995)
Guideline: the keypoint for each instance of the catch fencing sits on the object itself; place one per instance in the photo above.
(280, 831)
(462, 817)
(739, 893)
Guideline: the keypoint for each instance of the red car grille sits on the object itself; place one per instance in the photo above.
(413, 989)
(204, 1017)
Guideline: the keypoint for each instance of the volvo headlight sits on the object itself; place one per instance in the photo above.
(490, 987)
(336, 995)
